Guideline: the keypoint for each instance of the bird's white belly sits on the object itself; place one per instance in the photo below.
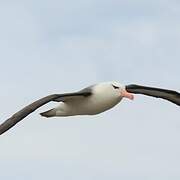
(89, 105)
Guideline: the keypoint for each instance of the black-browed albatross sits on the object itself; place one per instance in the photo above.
(90, 101)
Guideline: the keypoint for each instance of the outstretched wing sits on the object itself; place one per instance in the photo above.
(18, 116)
(169, 95)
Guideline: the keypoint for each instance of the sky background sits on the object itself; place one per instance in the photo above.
(64, 45)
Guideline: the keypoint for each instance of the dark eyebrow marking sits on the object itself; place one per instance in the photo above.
(115, 87)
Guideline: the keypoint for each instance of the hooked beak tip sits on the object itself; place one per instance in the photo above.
(131, 97)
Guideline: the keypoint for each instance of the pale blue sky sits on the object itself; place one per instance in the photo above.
(60, 46)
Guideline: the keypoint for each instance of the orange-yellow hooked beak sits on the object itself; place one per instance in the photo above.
(126, 94)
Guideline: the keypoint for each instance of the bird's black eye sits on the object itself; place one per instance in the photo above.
(115, 87)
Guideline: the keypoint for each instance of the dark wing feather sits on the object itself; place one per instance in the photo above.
(69, 96)
(18, 116)
(169, 95)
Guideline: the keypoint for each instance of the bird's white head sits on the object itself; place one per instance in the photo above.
(114, 89)
(121, 90)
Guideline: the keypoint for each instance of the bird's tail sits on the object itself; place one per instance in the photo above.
(49, 113)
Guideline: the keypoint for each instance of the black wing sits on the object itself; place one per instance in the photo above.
(169, 95)
(18, 116)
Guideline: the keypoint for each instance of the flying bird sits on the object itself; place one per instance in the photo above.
(92, 100)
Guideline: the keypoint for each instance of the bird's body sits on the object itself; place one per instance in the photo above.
(100, 100)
